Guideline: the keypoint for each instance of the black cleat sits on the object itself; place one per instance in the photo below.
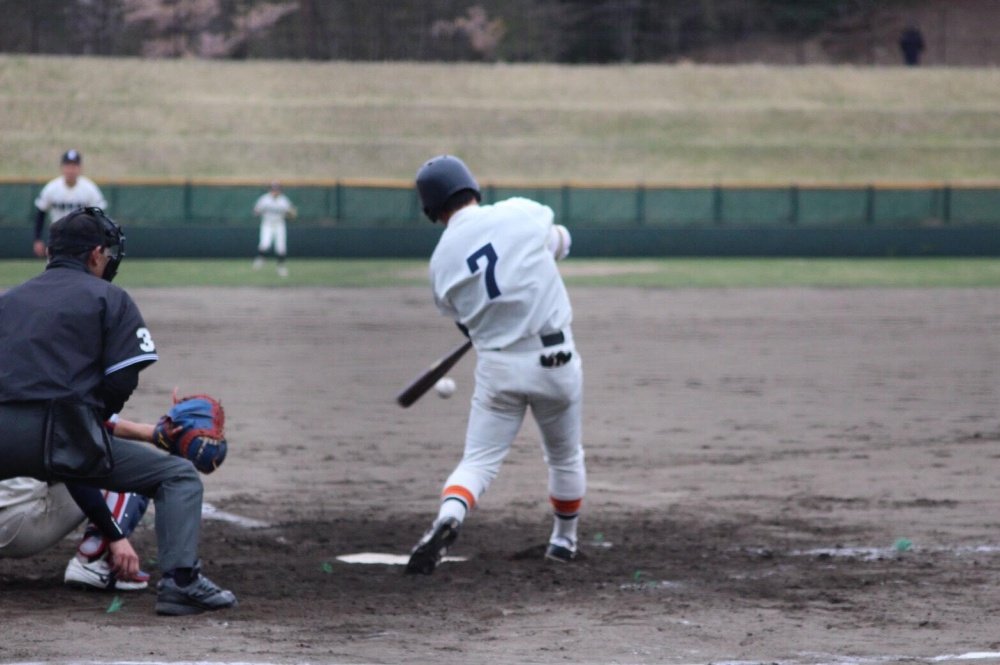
(559, 554)
(427, 554)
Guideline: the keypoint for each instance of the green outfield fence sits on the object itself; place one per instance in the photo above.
(374, 218)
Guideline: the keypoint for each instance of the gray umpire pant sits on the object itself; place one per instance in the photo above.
(171, 482)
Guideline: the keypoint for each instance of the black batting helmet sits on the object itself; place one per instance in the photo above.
(439, 179)
(84, 229)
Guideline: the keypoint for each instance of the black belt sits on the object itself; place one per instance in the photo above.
(553, 339)
(536, 342)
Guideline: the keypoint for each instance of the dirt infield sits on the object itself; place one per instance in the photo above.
(794, 475)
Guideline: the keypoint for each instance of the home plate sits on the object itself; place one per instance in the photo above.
(386, 559)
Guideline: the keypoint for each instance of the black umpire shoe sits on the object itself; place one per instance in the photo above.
(200, 595)
(427, 554)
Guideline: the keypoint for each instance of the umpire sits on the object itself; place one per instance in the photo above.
(71, 349)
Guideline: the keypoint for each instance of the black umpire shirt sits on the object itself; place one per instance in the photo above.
(67, 335)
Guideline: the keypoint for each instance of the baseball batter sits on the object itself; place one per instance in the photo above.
(61, 196)
(272, 208)
(494, 273)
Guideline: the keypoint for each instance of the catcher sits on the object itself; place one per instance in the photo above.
(35, 515)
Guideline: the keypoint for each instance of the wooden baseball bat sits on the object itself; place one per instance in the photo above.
(430, 376)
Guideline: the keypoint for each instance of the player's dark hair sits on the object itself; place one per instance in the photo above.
(459, 200)
(79, 254)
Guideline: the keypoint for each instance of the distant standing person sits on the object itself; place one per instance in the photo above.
(61, 196)
(273, 207)
(911, 43)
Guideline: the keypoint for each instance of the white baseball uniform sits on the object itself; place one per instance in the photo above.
(34, 516)
(273, 210)
(494, 272)
(59, 199)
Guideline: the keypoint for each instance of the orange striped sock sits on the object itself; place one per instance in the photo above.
(566, 509)
(459, 493)
(456, 502)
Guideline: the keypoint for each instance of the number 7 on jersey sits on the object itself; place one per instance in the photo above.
(490, 254)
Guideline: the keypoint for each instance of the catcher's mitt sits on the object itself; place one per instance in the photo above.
(202, 438)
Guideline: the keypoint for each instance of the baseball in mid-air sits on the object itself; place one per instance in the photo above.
(445, 387)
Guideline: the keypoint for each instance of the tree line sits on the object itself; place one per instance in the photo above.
(567, 31)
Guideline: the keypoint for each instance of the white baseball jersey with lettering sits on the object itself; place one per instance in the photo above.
(494, 271)
(273, 210)
(59, 199)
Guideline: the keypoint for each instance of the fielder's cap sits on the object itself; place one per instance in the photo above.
(275, 184)
(71, 157)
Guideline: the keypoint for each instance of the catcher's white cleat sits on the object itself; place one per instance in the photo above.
(97, 575)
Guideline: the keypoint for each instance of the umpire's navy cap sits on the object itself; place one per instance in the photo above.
(72, 157)
(75, 232)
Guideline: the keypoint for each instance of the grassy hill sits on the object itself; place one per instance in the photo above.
(258, 120)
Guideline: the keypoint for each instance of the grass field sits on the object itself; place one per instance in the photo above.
(650, 273)
(258, 120)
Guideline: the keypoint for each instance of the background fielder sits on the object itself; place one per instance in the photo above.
(61, 196)
(494, 272)
(273, 207)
